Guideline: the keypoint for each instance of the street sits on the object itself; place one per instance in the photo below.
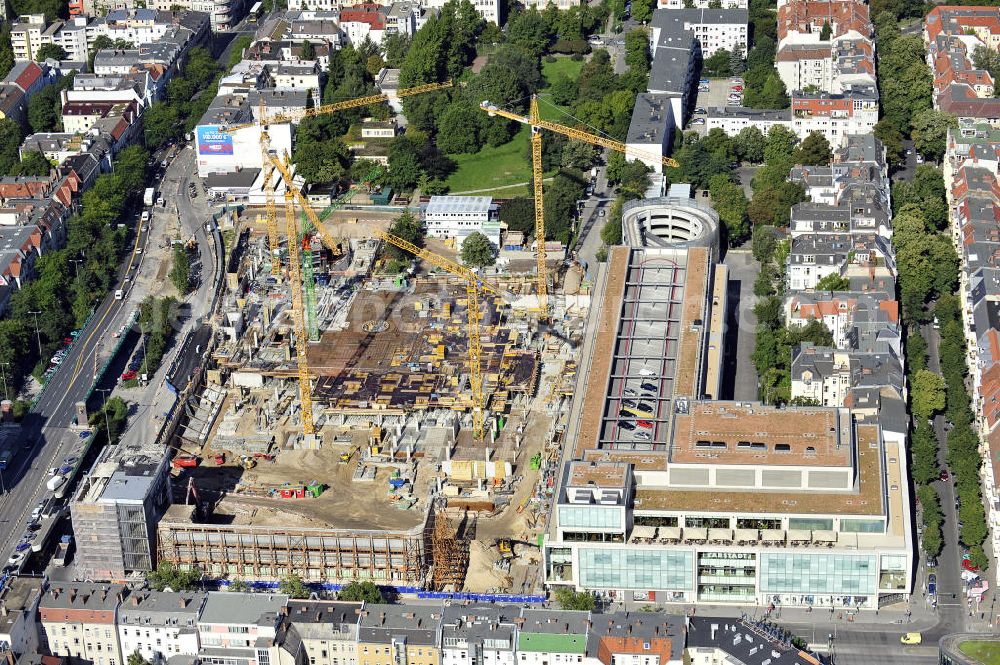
(47, 428)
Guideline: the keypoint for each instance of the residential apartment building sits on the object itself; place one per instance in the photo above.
(160, 624)
(461, 216)
(711, 641)
(328, 630)
(715, 29)
(701, 4)
(479, 635)
(636, 638)
(651, 130)
(78, 620)
(18, 613)
(28, 33)
(399, 635)
(243, 626)
(551, 637)
(952, 35)
(825, 376)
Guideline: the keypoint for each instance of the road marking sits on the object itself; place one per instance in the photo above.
(79, 362)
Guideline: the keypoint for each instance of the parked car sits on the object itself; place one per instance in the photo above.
(646, 385)
(932, 584)
(17, 558)
(629, 392)
(626, 425)
(700, 111)
(645, 436)
(944, 474)
(911, 638)
(645, 424)
(698, 121)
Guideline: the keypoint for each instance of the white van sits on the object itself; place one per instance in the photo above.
(145, 215)
(646, 372)
(54, 483)
(119, 294)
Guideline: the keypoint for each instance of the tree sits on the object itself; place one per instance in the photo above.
(458, 129)
(930, 132)
(238, 585)
(43, 115)
(293, 586)
(833, 282)
(357, 592)
(642, 10)
(308, 51)
(6, 50)
(10, 142)
(101, 42)
(180, 270)
(750, 144)
(986, 58)
(322, 161)
(731, 204)
(135, 658)
(892, 139)
(518, 214)
(927, 397)
(825, 32)
(569, 599)
(34, 163)
(478, 251)
(169, 576)
(407, 227)
(161, 123)
(51, 51)
(405, 168)
(718, 64)
(814, 151)
(780, 142)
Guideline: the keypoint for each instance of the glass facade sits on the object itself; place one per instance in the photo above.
(635, 569)
(818, 573)
(810, 523)
(594, 517)
(862, 526)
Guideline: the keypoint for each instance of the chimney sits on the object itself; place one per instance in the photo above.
(183, 602)
(135, 600)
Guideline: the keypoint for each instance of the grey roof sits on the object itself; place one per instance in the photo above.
(748, 643)
(19, 601)
(638, 625)
(667, 18)
(420, 624)
(226, 110)
(757, 115)
(160, 608)
(474, 623)
(649, 119)
(285, 98)
(824, 249)
(233, 179)
(440, 205)
(324, 620)
(555, 622)
(672, 66)
(83, 596)
(243, 608)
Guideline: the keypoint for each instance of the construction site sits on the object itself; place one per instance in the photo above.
(360, 421)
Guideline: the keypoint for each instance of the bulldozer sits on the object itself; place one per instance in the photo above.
(506, 547)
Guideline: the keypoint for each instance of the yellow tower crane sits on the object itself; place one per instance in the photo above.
(298, 313)
(339, 106)
(537, 124)
(291, 228)
(473, 285)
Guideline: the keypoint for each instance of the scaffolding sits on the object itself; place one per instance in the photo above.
(449, 554)
(258, 552)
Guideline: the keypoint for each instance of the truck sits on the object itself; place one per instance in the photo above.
(55, 482)
(149, 196)
(185, 461)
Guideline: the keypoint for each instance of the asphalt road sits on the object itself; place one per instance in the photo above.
(46, 429)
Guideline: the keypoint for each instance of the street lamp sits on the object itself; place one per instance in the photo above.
(104, 407)
(38, 335)
(76, 267)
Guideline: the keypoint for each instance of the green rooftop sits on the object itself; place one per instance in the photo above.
(551, 643)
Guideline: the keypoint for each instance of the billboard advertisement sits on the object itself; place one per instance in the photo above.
(213, 141)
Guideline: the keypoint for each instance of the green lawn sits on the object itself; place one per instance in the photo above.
(986, 652)
(494, 168)
(562, 65)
